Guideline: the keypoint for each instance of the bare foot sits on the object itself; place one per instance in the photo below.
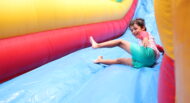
(93, 42)
(98, 60)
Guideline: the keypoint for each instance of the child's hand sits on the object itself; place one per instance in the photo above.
(145, 42)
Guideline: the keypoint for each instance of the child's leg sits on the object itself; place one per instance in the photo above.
(121, 43)
(126, 61)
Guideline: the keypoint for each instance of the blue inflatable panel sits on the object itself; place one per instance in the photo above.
(76, 79)
(120, 84)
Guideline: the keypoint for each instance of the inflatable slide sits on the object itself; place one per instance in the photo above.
(45, 55)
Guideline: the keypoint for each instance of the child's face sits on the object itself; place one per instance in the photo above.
(135, 29)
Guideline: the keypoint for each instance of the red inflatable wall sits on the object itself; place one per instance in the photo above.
(166, 86)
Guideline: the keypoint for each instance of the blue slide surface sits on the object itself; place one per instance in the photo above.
(76, 79)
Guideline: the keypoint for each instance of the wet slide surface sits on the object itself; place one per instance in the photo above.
(76, 79)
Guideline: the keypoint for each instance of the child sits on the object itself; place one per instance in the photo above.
(143, 55)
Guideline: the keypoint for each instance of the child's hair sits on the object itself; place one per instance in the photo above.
(139, 21)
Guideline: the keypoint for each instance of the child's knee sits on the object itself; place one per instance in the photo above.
(121, 40)
(119, 61)
(124, 61)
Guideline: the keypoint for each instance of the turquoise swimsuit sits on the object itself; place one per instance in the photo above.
(142, 56)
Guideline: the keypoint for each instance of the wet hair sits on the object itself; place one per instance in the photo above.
(139, 21)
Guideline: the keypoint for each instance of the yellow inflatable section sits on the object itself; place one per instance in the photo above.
(173, 18)
(163, 9)
(19, 17)
(182, 49)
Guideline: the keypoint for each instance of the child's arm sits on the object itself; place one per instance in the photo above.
(145, 38)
